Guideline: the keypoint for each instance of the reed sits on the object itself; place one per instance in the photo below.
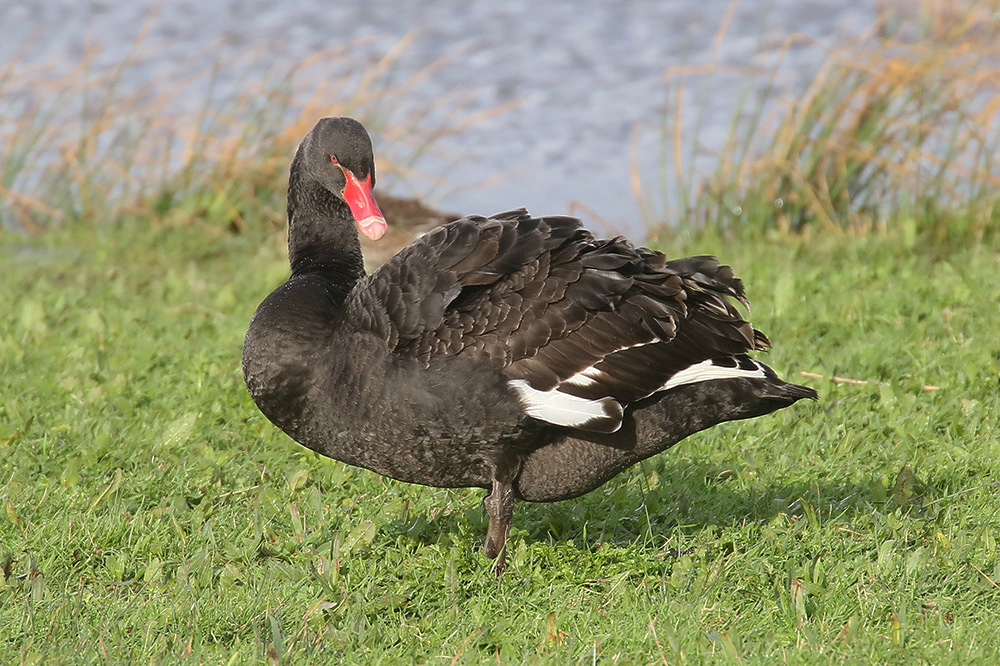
(89, 146)
(899, 129)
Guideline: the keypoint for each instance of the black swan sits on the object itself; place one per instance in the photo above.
(511, 353)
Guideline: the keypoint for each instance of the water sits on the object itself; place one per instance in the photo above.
(587, 73)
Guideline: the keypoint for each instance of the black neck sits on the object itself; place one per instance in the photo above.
(322, 237)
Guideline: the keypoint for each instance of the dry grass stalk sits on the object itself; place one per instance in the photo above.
(858, 382)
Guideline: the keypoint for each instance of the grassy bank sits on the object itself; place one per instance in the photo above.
(151, 515)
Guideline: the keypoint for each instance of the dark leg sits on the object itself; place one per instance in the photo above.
(500, 508)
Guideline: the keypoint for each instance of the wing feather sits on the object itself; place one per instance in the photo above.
(576, 324)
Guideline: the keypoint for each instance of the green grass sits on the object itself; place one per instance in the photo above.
(151, 515)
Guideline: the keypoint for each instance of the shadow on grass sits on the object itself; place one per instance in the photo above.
(688, 495)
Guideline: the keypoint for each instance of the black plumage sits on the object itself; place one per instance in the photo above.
(512, 353)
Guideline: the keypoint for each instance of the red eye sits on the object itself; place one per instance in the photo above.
(333, 158)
